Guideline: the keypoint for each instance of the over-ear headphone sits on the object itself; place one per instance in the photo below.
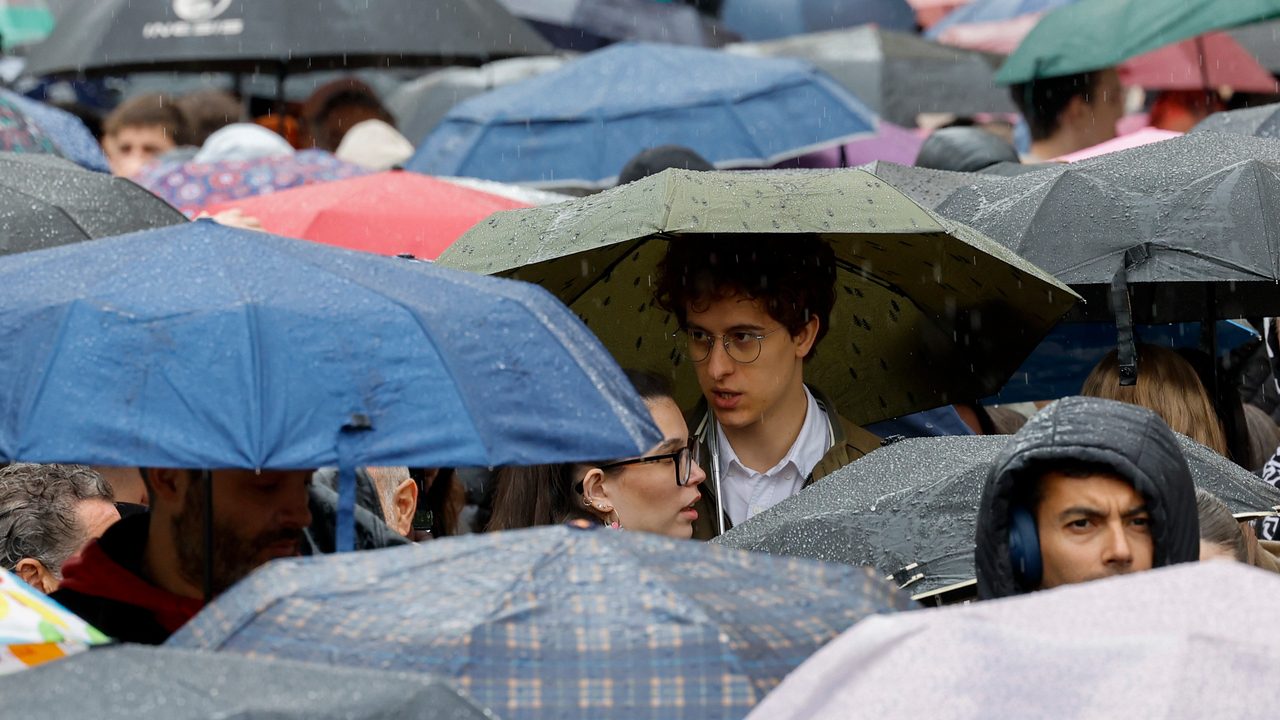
(1024, 548)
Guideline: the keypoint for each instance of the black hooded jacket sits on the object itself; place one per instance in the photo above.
(1132, 441)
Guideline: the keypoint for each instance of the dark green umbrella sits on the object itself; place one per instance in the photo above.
(928, 312)
(1096, 34)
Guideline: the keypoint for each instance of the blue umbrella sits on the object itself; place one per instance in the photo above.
(771, 19)
(203, 346)
(991, 11)
(579, 125)
(67, 132)
(555, 622)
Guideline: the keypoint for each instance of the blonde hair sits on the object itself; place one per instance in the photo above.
(1168, 385)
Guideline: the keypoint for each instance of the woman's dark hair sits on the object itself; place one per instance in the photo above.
(794, 279)
(528, 496)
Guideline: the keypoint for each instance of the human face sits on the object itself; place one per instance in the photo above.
(1091, 527)
(133, 146)
(743, 394)
(646, 496)
(257, 517)
(1106, 105)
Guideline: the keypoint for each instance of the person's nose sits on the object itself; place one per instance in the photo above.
(1119, 550)
(719, 364)
(696, 475)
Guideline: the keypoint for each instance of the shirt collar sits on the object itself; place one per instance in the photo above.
(811, 444)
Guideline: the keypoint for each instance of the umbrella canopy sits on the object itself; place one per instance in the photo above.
(388, 213)
(1185, 640)
(135, 682)
(203, 346)
(772, 19)
(1095, 34)
(192, 186)
(1262, 121)
(20, 134)
(890, 143)
(46, 201)
(910, 509)
(119, 36)
(992, 25)
(1263, 41)
(35, 629)
(912, 290)
(592, 24)
(928, 188)
(579, 125)
(555, 622)
(1187, 221)
(420, 105)
(66, 131)
(897, 75)
(23, 22)
(1205, 62)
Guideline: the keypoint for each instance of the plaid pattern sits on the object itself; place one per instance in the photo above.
(556, 622)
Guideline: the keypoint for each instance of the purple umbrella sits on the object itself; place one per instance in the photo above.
(890, 143)
(192, 186)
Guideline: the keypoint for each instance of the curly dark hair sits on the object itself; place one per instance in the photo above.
(793, 278)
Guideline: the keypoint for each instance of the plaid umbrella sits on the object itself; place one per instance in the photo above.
(555, 622)
(35, 629)
(191, 186)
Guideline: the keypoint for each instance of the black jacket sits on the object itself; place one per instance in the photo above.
(1133, 441)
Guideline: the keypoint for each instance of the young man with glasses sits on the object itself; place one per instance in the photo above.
(751, 312)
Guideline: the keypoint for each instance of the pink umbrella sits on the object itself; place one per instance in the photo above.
(1208, 61)
(1000, 36)
(1145, 136)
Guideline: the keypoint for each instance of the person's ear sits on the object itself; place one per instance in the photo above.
(807, 336)
(34, 573)
(595, 493)
(404, 504)
(1077, 111)
(168, 486)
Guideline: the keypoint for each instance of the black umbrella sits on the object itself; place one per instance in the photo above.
(910, 509)
(897, 74)
(591, 24)
(929, 188)
(46, 201)
(280, 35)
(1262, 121)
(131, 682)
(1188, 225)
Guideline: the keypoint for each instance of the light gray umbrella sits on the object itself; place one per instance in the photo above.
(132, 682)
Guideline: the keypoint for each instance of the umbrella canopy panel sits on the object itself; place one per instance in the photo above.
(591, 24)
(1262, 121)
(46, 201)
(772, 19)
(916, 502)
(927, 312)
(897, 75)
(120, 36)
(67, 132)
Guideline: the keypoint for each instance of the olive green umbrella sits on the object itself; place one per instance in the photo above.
(927, 311)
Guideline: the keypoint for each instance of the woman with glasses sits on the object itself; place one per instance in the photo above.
(655, 492)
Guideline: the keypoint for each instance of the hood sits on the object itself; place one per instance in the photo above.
(242, 141)
(1133, 441)
(374, 145)
(964, 149)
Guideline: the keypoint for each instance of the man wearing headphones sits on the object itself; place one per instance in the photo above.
(1089, 488)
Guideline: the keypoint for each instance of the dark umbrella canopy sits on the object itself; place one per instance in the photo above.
(46, 201)
(1262, 121)
(555, 622)
(133, 682)
(590, 24)
(1190, 220)
(916, 502)
(896, 74)
(297, 35)
(1262, 40)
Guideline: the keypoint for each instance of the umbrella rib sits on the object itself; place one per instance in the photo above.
(61, 211)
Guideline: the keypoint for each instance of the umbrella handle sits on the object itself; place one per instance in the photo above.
(1122, 306)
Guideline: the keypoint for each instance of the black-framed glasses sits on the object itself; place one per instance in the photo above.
(683, 459)
(742, 346)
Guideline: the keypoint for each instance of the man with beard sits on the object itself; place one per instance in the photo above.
(1088, 488)
(145, 577)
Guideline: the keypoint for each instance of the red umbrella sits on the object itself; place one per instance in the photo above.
(386, 213)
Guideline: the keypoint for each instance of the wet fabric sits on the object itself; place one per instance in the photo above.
(72, 139)
(47, 201)
(767, 20)
(1262, 121)
(554, 622)
(898, 75)
(204, 346)
(585, 25)
(964, 149)
(242, 141)
(910, 288)
(35, 630)
(910, 509)
(142, 683)
(1183, 642)
(1132, 441)
(19, 134)
(733, 111)
(230, 35)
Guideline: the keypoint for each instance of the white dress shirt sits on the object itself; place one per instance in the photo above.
(746, 493)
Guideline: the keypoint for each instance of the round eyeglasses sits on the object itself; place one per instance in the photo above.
(743, 346)
(683, 460)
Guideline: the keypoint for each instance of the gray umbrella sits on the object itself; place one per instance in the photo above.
(896, 74)
(929, 188)
(419, 105)
(1262, 121)
(47, 201)
(145, 683)
(293, 35)
(1262, 40)
(592, 24)
(910, 509)
(1188, 224)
